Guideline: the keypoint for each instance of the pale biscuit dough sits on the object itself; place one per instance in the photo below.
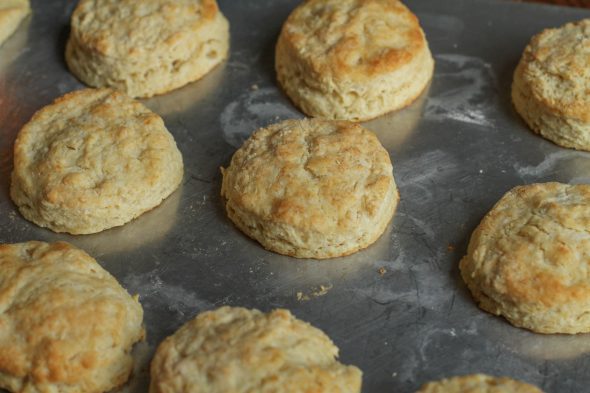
(146, 47)
(92, 160)
(12, 12)
(551, 84)
(240, 351)
(66, 325)
(478, 383)
(352, 59)
(311, 188)
(528, 259)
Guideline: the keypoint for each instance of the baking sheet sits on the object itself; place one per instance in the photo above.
(397, 310)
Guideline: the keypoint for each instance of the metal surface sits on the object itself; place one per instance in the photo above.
(456, 151)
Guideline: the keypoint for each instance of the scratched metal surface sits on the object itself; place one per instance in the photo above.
(455, 152)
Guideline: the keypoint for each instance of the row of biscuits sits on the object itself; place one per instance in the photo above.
(327, 60)
(335, 59)
(68, 326)
(318, 166)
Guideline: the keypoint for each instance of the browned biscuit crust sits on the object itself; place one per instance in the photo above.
(241, 351)
(146, 47)
(352, 59)
(551, 84)
(311, 188)
(92, 160)
(66, 325)
(528, 258)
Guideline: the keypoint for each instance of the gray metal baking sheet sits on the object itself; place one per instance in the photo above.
(456, 151)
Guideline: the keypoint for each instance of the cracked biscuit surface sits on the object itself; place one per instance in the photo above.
(311, 188)
(478, 383)
(12, 12)
(352, 59)
(92, 160)
(66, 325)
(238, 350)
(146, 47)
(551, 84)
(529, 258)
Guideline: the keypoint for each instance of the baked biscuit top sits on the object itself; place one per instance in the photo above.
(354, 38)
(91, 160)
(66, 325)
(91, 146)
(131, 28)
(314, 175)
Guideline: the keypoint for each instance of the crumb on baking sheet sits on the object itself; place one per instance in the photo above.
(450, 247)
(315, 292)
(382, 270)
(301, 297)
(322, 290)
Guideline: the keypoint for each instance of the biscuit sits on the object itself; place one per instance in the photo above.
(528, 258)
(12, 12)
(352, 59)
(478, 383)
(92, 160)
(550, 86)
(146, 47)
(311, 188)
(66, 325)
(238, 350)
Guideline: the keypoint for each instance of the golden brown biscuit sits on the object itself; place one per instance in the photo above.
(238, 350)
(146, 47)
(551, 84)
(352, 59)
(12, 12)
(92, 160)
(311, 188)
(478, 383)
(66, 325)
(528, 258)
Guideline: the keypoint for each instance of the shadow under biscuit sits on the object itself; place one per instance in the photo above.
(293, 273)
(149, 228)
(12, 112)
(188, 96)
(538, 346)
(6, 158)
(557, 164)
(140, 380)
(394, 128)
(14, 45)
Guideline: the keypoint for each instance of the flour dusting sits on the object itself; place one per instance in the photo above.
(572, 164)
(442, 26)
(425, 289)
(152, 289)
(425, 168)
(468, 89)
(252, 110)
(419, 176)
